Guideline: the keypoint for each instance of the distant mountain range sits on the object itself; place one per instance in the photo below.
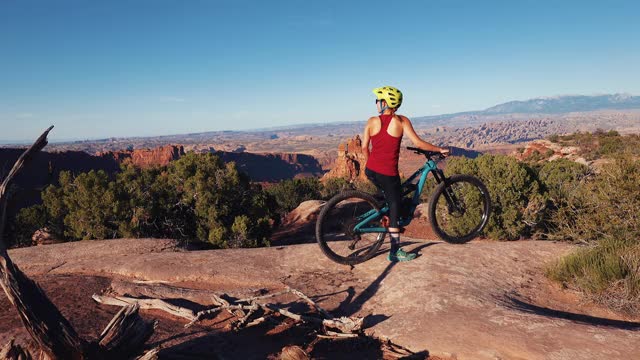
(511, 111)
(553, 105)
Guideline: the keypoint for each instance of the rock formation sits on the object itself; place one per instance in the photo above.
(350, 162)
(547, 150)
(44, 236)
(160, 156)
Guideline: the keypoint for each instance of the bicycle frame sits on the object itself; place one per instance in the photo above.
(407, 187)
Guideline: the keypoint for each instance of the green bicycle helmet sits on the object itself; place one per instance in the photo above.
(391, 95)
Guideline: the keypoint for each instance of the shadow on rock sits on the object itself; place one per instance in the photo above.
(352, 304)
(515, 303)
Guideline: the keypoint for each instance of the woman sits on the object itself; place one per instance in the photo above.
(385, 134)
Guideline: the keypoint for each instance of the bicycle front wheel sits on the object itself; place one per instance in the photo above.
(459, 208)
(336, 227)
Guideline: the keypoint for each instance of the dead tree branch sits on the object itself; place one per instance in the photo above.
(53, 333)
(147, 304)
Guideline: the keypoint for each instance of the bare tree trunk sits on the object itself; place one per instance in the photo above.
(41, 318)
(123, 338)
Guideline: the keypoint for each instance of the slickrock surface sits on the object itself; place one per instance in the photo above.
(482, 300)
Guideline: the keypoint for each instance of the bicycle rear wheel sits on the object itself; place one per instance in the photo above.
(459, 208)
(335, 228)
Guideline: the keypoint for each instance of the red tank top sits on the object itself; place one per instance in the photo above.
(385, 150)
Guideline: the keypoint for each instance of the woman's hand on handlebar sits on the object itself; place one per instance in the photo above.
(445, 151)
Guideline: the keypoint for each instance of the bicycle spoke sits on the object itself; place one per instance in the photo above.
(339, 238)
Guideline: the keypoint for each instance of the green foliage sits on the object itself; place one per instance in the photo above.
(27, 221)
(515, 193)
(288, 194)
(86, 205)
(333, 186)
(602, 144)
(609, 271)
(196, 197)
(605, 204)
(562, 181)
(604, 213)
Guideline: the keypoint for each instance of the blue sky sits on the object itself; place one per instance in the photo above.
(99, 69)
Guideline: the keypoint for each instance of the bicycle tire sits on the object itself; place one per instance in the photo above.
(462, 230)
(330, 219)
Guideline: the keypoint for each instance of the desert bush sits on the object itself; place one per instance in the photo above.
(517, 197)
(84, 206)
(26, 222)
(218, 194)
(603, 213)
(288, 194)
(609, 202)
(149, 205)
(562, 183)
(332, 186)
(608, 271)
(196, 197)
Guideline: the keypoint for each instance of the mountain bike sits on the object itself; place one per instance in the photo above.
(352, 225)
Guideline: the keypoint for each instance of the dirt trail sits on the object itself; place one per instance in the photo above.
(482, 300)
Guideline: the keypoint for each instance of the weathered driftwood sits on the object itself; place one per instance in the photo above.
(125, 334)
(147, 304)
(344, 325)
(304, 297)
(162, 290)
(52, 332)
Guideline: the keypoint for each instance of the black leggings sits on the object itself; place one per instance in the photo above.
(390, 187)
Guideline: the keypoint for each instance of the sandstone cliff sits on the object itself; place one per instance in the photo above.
(160, 156)
(350, 162)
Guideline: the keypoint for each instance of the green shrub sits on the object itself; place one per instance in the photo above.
(608, 271)
(196, 197)
(288, 194)
(332, 186)
(516, 195)
(605, 204)
(87, 203)
(27, 221)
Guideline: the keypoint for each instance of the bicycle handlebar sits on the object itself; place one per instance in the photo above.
(426, 153)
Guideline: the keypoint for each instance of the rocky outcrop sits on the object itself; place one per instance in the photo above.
(160, 156)
(482, 300)
(547, 150)
(493, 133)
(44, 236)
(350, 162)
(298, 226)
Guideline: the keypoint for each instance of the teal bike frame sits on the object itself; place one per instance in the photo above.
(407, 187)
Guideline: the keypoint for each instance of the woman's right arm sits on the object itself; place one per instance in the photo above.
(407, 128)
